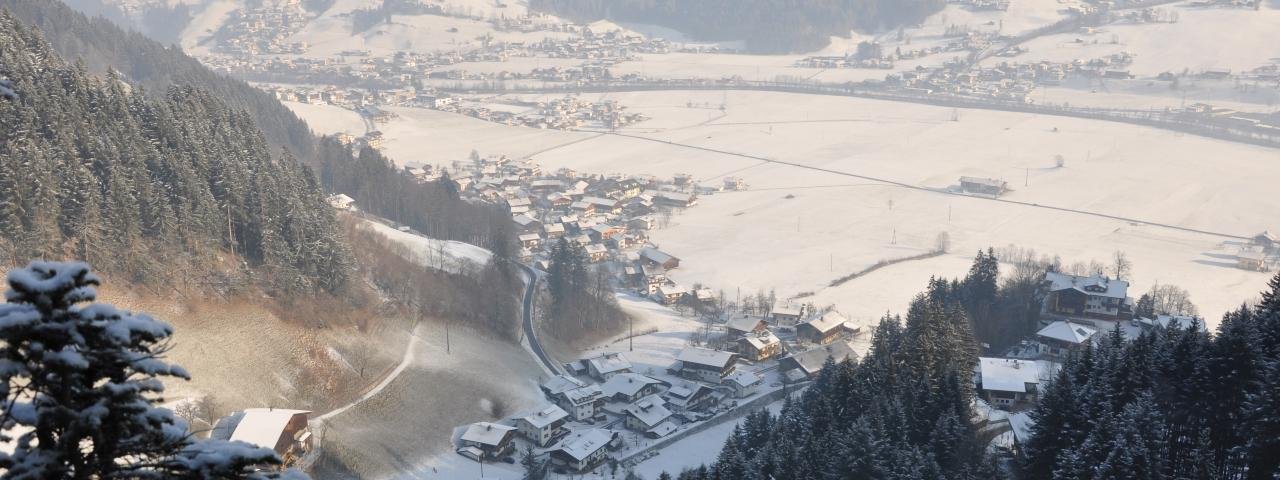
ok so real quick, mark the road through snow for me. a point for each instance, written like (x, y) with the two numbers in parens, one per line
(404, 363)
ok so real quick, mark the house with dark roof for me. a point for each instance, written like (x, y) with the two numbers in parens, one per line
(823, 329)
(704, 364)
(1094, 296)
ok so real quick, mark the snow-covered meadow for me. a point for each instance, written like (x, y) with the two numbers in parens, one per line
(797, 229)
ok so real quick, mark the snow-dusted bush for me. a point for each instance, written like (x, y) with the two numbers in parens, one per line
(80, 385)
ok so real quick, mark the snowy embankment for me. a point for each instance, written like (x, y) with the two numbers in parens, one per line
(447, 255)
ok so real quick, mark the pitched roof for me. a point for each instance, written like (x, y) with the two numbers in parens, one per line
(811, 360)
(582, 443)
(656, 256)
(1094, 285)
(609, 363)
(1021, 423)
(650, 410)
(263, 426)
(579, 396)
(1012, 375)
(562, 383)
(743, 324)
(545, 416)
(705, 356)
(786, 310)
(744, 378)
(486, 433)
(1068, 332)
(761, 340)
(627, 384)
(828, 321)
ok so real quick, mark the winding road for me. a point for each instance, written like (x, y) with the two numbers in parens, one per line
(530, 291)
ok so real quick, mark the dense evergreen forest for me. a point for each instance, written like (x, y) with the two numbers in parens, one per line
(1172, 404)
(767, 26)
(93, 168)
(376, 184)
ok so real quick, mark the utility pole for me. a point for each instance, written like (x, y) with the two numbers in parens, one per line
(948, 213)
(631, 328)
(1027, 181)
(447, 349)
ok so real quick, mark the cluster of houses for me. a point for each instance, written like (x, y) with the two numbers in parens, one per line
(609, 217)
(250, 52)
(601, 401)
(263, 29)
(567, 113)
(1077, 311)
(1009, 81)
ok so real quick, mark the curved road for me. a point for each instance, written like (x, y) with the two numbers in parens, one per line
(530, 290)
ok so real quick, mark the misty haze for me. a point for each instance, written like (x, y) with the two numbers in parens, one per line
(640, 239)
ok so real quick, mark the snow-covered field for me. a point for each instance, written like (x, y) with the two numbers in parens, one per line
(329, 119)
(796, 229)
(447, 255)
(1203, 38)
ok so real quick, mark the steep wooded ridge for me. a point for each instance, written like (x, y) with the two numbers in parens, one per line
(372, 180)
(767, 26)
(150, 187)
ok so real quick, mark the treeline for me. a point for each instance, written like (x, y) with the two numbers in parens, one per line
(582, 302)
(377, 185)
(151, 187)
(484, 298)
(767, 26)
(1177, 404)
(903, 412)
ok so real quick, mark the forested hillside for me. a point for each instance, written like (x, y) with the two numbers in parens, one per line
(92, 168)
(375, 183)
(767, 26)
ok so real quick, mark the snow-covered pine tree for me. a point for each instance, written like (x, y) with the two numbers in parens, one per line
(80, 384)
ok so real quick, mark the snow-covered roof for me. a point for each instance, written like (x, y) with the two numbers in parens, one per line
(562, 383)
(743, 324)
(528, 237)
(705, 356)
(579, 396)
(545, 416)
(1012, 375)
(1021, 423)
(649, 410)
(761, 340)
(486, 433)
(662, 429)
(582, 443)
(1178, 321)
(627, 384)
(743, 378)
(609, 363)
(523, 220)
(991, 182)
(263, 426)
(656, 256)
(1094, 285)
(828, 321)
(786, 310)
(1068, 332)
(811, 360)
(596, 248)
(673, 289)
